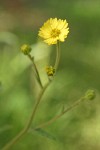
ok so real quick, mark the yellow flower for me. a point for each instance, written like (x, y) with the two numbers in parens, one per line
(54, 30)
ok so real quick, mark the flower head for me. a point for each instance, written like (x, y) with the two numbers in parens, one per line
(54, 30)
(26, 49)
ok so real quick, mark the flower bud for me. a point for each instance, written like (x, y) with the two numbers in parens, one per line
(50, 71)
(26, 49)
(90, 95)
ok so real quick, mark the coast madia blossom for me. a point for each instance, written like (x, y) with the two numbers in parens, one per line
(54, 30)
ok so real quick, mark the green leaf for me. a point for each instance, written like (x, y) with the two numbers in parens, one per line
(63, 108)
(45, 134)
(5, 128)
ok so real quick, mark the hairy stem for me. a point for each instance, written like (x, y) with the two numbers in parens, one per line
(36, 70)
(60, 115)
(57, 56)
(26, 128)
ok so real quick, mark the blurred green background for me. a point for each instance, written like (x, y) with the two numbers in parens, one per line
(78, 71)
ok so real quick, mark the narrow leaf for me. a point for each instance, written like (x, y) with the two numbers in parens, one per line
(45, 134)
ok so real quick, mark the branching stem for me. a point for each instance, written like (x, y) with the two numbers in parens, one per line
(60, 115)
(26, 128)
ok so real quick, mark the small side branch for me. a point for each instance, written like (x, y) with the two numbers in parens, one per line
(60, 115)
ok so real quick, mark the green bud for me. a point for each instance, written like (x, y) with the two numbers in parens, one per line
(26, 49)
(50, 70)
(90, 95)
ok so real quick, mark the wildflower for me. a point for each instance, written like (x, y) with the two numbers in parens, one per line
(54, 30)
(26, 49)
(50, 71)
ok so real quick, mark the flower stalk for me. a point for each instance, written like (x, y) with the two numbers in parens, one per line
(60, 115)
(89, 95)
(26, 128)
(57, 56)
(36, 70)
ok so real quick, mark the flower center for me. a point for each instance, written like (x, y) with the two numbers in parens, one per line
(55, 33)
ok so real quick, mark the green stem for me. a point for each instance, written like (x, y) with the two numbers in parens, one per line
(60, 115)
(36, 70)
(24, 131)
(57, 56)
